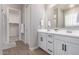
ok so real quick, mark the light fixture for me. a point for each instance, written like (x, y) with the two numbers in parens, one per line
(71, 6)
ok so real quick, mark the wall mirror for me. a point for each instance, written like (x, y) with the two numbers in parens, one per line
(64, 15)
(55, 14)
(71, 15)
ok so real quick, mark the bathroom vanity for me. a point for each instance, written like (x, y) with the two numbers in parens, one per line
(61, 42)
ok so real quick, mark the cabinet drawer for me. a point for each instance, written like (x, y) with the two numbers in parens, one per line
(49, 37)
(49, 42)
(67, 38)
(50, 48)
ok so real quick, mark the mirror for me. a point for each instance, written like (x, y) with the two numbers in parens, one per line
(55, 14)
(63, 15)
(51, 16)
(71, 16)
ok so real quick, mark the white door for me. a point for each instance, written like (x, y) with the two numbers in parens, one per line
(27, 25)
(42, 41)
(72, 49)
(59, 47)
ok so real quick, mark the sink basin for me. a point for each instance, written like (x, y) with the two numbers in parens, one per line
(69, 31)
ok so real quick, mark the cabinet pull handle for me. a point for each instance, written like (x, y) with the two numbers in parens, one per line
(62, 46)
(41, 39)
(65, 48)
(49, 35)
(49, 50)
(49, 42)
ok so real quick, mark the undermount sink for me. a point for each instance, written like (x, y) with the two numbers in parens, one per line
(69, 31)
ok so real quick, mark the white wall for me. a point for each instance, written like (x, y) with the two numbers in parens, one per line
(37, 12)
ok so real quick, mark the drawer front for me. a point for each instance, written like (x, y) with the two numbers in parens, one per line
(49, 37)
(67, 38)
(50, 48)
(60, 37)
(49, 42)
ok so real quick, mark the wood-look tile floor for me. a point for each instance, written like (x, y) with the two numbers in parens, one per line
(22, 49)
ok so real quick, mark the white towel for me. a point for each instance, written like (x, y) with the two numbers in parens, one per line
(22, 28)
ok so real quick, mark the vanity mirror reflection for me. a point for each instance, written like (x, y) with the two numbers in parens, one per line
(55, 15)
(71, 15)
(63, 15)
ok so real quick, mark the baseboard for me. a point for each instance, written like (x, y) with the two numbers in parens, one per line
(33, 48)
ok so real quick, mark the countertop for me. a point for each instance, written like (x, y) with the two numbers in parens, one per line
(72, 33)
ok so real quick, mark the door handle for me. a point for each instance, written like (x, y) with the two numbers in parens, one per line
(49, 42)
(63, 47)
(41, 39)
(50, 35)
(50, 50)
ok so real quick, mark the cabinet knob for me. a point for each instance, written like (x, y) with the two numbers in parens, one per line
(50, 35)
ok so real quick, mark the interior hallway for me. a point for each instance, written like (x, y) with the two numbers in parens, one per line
(22, 49)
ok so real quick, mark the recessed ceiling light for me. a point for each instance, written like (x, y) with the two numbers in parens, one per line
(71, 6)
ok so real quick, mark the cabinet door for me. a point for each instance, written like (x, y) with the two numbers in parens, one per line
(72, 49)
(59, 47)
(42, 41)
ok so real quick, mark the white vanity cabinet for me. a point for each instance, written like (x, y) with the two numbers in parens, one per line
(42, 40)
(58, 44)
(64, 45)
